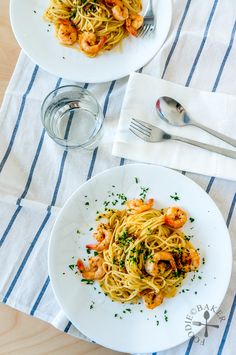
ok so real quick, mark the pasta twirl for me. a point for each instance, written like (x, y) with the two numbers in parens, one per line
(141, 253)
(95, 25)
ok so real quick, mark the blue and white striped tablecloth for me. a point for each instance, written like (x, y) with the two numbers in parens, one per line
(37, 176)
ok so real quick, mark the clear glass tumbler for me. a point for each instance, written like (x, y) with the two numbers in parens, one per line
(72, 117)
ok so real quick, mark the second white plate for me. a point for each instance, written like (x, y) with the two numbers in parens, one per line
(109, 323)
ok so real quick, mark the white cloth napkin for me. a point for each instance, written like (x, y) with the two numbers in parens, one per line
(37, 176)
(214, 110)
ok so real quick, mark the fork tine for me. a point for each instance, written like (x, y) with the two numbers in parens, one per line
(145, 138)
(146, 30)
(142, 29)
(141, 125)
(136, 128)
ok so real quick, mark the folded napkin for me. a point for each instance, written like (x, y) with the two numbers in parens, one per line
(214, 110)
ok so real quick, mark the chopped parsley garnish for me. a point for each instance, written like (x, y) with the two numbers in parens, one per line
(122, 197)
(78, 231)
(191, 219)
(143, 193)
(86, 203)
(90, 229)
(72, 266)
(165, 315)
(203, 261)
(175, 196)
(88, 282)
(157, 322)
(136, 180)
(88, 251)
(95, 253)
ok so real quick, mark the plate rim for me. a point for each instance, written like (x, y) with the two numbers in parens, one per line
(71, 77)
(171, 171)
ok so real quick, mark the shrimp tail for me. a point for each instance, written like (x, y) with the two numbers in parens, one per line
(80, 265)
(92, 246)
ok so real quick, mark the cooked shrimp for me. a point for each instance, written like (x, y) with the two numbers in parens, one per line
(191, 260)
(67, 33)
(119, 11)
(175, 217)
(104, 237)
(138, 206)
(133, 23)
(95, 271)
(88, 43)
(152, 299)
(152, 264)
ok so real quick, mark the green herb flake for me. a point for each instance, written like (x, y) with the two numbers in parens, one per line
(72, 266)
(157, 322)
(95, 253)
(143, 193)
(191, 219)
(88, 282)
(87, 203)
(90, 229)
(175, 196)
(88, 251)
(136, 180)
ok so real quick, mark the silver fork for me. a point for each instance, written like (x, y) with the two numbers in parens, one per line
(152, 134)
(148, 22)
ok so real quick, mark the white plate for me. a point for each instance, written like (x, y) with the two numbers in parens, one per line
(137, 332)
(31, 31)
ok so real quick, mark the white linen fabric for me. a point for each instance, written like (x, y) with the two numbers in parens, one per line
(37, 176)
(210, 109)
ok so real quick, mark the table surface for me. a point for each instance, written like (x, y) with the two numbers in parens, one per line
(19, 333)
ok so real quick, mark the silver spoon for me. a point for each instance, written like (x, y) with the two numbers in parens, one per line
(174, 113)
(206, 315)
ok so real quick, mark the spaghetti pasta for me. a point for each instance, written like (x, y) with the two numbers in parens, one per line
(140, 255)
(94, 25)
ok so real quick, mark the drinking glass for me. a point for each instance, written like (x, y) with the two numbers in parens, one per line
(72, 117)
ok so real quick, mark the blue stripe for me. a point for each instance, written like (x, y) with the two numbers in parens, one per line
(176, 37)
(29, 180)
(231, 211)
(55, 193)
(222, 343)
(202, 43)
(70, 119)
(190, 344)
(10, 225)
(225, 58)
(68, 327)
(29, 251)
(210, 184)
(40, 296)
(108, 97)
(122, 161)
(92, 163)
(22, 106)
